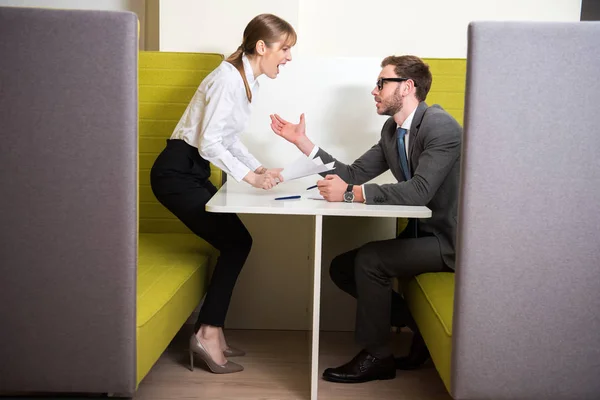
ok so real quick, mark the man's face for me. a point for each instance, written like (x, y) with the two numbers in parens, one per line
(388, 99)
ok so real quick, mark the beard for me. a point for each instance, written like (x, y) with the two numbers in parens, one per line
(393, 105)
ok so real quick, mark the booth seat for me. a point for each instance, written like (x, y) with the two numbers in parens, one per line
(173, 264)
(430, 296)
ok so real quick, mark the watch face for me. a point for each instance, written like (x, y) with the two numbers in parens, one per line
(349, 197)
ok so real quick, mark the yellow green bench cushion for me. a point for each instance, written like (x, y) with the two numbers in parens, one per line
(171, 280)
(430, 298)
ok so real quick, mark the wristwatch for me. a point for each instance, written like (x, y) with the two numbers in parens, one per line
(349, 194)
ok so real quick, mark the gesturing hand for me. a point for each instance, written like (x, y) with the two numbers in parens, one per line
(293, 133)
(332, 188)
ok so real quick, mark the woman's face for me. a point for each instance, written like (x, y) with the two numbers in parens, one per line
(279, 53)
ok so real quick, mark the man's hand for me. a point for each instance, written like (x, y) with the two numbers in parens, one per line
(293, 133)
(332, 188)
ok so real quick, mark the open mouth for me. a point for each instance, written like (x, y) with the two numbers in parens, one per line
(280, 65)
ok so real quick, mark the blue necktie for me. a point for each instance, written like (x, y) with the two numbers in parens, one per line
(402, 152)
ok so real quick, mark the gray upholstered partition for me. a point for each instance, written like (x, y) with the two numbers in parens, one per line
(527, 305)
(68, 179)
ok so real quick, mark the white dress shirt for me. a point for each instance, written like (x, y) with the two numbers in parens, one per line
(217, 115)
(406, 125)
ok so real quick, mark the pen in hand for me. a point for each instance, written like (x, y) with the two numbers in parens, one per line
(312, 187)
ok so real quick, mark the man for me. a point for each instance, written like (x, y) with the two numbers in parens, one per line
(421, 146)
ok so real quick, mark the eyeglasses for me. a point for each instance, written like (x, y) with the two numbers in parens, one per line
(381, 81)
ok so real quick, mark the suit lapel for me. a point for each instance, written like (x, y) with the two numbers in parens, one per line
(414, 130)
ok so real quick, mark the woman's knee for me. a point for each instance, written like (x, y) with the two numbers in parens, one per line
(239, 241)
(246, 241)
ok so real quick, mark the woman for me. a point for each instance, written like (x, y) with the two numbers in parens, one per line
(209, 132)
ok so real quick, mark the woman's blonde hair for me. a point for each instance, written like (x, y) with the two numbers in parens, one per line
(266, 27)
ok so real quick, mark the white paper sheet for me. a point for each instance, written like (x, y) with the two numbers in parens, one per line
(303, 166)
(315, 196)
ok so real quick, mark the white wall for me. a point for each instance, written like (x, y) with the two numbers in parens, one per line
(336, 61)
(342, 28)
(428, 28)
(136, 6)
(214, 25)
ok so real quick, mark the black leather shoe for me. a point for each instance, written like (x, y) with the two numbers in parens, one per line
(363, 368)
(417, 356)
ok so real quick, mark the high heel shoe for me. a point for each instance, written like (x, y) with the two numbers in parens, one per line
(197, 348)
(233, 352)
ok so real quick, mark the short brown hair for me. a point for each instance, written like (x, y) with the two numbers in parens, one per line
(414, 68)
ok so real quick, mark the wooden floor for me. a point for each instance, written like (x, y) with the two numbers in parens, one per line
(277, 367)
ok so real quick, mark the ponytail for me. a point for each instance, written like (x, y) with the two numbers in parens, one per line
(236, 60)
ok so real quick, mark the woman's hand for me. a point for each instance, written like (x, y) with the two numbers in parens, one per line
(293, 133)
(275, 172)
(260, 181)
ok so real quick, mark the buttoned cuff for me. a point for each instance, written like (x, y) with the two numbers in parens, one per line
(240, 173)
(253, 164)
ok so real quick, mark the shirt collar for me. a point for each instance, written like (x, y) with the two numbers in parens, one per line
(408, 121)
(248, 71)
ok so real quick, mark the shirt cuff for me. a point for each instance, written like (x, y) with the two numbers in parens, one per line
(240, 173)
(253, 164)
(314, 152)
(364, 195)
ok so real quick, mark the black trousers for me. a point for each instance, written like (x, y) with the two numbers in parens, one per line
(366, 274)
(179, 180)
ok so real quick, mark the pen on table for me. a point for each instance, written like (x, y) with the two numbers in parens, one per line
(287, 197)
(312, 187)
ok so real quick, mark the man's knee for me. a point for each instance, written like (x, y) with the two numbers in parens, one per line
(367, 260)
(341, 269)
(336, 269)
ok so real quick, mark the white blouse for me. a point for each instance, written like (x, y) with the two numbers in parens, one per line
(217, 115)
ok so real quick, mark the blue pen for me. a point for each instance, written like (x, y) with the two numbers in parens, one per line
(312, 187)
(287, 198)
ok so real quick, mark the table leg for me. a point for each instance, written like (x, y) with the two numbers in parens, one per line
(316, 308)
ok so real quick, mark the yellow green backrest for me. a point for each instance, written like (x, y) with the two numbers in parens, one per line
(167, 82)
(447, 90)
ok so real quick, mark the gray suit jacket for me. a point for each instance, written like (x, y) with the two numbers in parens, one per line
(434, 158)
